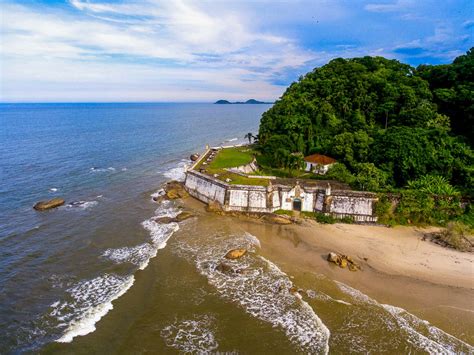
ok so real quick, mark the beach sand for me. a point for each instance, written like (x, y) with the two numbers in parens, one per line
(433, 282)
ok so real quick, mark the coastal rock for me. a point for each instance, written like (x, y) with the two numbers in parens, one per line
(183, 216)
(165, 220)
(333, 257)
(194, 157)
(272, 218)
(46, 205)
(224, 268)
(213, 206)
(179, 218)
(175, 190)
(343, 261)
(235, 253)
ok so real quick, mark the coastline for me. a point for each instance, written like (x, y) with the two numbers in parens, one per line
(432, 282)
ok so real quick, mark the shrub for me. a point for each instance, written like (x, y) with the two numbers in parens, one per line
(322, 218)
(456, 235)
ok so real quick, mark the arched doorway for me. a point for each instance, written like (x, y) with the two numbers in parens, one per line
(296, 204)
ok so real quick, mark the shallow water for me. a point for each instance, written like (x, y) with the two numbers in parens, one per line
(101, 276)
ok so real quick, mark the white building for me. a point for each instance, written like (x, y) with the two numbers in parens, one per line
(318, 163)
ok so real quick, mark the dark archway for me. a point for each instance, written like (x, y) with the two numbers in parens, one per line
(297, 204)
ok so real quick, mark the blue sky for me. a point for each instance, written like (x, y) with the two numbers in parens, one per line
(201, 51)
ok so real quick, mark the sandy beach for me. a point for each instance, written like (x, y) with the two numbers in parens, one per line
(398, 267)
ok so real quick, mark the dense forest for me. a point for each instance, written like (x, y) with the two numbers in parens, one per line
(388, 124)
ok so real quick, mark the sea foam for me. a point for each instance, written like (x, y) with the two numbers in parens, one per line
(89, 301)
(260, 288)
(418, 332)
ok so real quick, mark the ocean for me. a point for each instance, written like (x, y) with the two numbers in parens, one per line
(100, 275)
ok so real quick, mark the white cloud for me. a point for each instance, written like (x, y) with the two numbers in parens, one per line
(147, 49)
(396, 6)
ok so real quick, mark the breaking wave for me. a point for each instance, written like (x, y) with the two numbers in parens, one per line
(418, 332)
(87, 303)
(194, 335)
(260, 288)
(177, 172)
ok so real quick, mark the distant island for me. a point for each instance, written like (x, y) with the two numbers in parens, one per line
(248, 102)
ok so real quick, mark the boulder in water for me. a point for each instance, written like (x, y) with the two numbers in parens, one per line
(46, 205)
(183, 216)
(235, 253)
(165, 220)
(224, 268)
(194, 157)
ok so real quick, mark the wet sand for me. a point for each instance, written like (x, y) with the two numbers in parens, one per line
(430, 281)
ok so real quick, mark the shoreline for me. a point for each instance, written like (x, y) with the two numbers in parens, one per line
(428, 280)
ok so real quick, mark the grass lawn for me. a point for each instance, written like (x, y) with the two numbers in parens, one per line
(232, 157)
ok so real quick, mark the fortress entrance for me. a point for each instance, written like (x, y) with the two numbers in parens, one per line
(296, 204)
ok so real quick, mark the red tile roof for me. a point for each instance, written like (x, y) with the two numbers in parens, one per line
(319, 159)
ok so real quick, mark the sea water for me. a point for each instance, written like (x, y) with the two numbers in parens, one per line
(101, 275)
(60, 270)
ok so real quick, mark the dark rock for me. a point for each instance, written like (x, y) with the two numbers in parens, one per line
(183, 216)
(194, 157)
(224, 268)
(46, 205)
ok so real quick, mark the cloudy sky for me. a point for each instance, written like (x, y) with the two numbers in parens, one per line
(178, 50)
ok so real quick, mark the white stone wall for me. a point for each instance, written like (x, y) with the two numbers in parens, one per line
(286, 201)
(204, 189)
(318, 206)
(238, 198)
(307, 201)
(258, 199)
(276, 200)
(357, 205)
(351, 205)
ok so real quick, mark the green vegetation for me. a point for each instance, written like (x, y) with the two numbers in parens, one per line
(232, 157)
(385, 122)
(456, 235)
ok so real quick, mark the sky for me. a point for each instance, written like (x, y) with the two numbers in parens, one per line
(202, 51)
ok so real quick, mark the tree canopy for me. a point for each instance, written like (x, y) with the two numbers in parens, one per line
(406, 122)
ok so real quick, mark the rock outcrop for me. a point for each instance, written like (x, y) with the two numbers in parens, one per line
(343, 261)
(235, 253)
(179, 218)
(214, 206)
(194, 157)
(175, 190)
(46, 205)
(276, 219)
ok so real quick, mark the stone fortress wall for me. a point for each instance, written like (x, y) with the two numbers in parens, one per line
(247, 198)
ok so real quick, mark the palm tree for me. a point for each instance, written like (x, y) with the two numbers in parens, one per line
(249, 136)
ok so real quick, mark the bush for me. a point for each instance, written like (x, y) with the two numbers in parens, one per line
(322, 218)
(456, 235)
(340, 173)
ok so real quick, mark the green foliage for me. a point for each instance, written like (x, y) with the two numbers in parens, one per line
(369, 177)
(380, 111)
(423, 208)
(340, 173)
(457, 235)
(433, 184)
(453, 91)
(283, 212)
(325, 219)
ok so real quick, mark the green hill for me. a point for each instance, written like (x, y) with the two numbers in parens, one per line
(385, 121)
